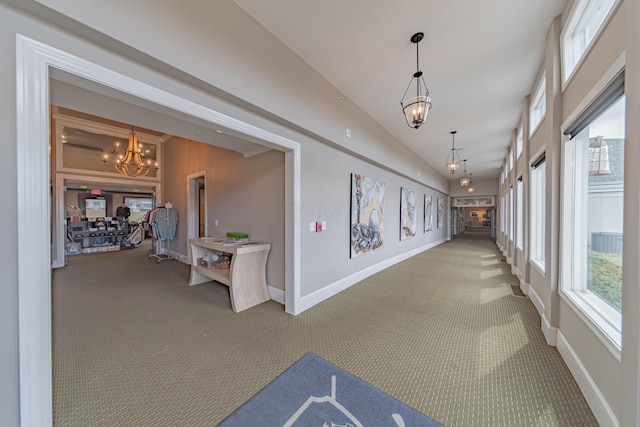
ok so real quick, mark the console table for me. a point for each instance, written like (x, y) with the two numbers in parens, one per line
(245, 277)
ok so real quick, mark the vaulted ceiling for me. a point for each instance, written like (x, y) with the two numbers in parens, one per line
(479, 59)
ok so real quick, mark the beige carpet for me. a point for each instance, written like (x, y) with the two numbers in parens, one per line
(441, 332)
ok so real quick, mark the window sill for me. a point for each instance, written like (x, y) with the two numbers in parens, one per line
(538, 125)
(539, 265)
(602, 319)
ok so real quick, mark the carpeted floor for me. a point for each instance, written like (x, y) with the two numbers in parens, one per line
(441, 332)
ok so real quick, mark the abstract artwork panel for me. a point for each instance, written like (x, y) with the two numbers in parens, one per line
(428, 213)
(440, 212)
(367, 215)
(407, 213)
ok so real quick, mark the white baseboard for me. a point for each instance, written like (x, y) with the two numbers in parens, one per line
(276, 294)
(179, 257)
(516, 272)
(535, 299)
(327, 292)
(524, 286)
(598, 404)
(550, 332)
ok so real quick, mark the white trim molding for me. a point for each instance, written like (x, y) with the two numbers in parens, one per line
(550, 332)
(596, 400)
(278, 295)
(34, 62)
(524, 286)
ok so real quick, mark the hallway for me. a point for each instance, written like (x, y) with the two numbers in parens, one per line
(441, 332)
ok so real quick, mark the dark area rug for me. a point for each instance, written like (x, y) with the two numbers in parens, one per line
(314, 392)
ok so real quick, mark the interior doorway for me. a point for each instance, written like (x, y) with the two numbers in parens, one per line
(197, 205)
(476, 223)
(36, 62)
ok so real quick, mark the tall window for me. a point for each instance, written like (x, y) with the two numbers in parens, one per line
(511, 214)
(593, 204)
(519, 143)
(538, 107)
(537, 234)
(586, 19)
(519, 213)
(503, 216)
(510, 160)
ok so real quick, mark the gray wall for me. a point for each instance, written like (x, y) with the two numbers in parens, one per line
(327, 197)
(220, 51)
(243, 194)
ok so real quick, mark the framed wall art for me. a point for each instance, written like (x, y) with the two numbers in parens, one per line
(428, 213)
(367, 215)
(407, 213)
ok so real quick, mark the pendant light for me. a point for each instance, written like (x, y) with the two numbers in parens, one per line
(416, 108)
(453, 160)
(465, 180)
(470, 188)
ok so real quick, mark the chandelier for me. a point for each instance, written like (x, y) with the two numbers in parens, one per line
(453, 160)
(415, 109)
(465, 180)
(130, 162)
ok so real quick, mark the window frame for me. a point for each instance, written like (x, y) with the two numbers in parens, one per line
(537, 213)
(511, 214)
(598, 315)
(601, 318)
(538, 103)
(520, 214)
(577, 12)
(511, 156)
(519, 142)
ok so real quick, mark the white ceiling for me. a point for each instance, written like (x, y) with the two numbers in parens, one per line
(479, 59)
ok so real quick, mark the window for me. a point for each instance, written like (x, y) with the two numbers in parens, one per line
(510, 160)
(591, 268)
(538, 107)
(537, 232)
(519, 143)
(503, 217)
(511, 217)
(519, 213)
(586, 19)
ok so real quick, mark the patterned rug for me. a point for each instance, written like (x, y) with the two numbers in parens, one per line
(313, 392)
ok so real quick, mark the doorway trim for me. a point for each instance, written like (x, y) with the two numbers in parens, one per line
(34, 61)
(193, 207)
